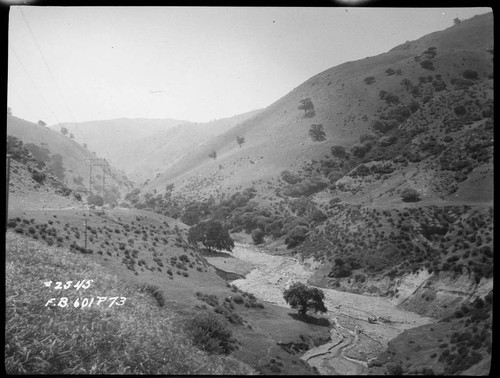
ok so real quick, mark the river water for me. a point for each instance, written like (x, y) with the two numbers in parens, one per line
(354, 341)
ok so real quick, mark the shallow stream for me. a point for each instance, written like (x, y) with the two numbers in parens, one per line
(354, 340)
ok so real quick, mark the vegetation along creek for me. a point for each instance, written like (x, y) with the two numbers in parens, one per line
(354, 339)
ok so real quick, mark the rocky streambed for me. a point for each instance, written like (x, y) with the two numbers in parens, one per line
(361, 325)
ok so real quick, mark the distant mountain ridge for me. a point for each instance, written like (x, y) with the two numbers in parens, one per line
(144, 147)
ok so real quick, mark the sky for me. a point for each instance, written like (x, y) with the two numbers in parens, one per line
(77, 64)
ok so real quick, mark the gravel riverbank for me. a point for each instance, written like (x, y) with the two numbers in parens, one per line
(354, 339)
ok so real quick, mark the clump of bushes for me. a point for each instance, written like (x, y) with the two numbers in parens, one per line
(258, 236)
(296, 236)
(427, 65)
(38, 176)
(410, 195)
(359, 150)
(461, 83)
(340, 269)
(459, 110)
(306, 187)
(316, 133)
(155, 293)
(387, 140)
(470, 74)
(369, 80)
(334, 176)
(290, 178)
(338, 151)
(389, 98)
(210, 332)
(384, 125)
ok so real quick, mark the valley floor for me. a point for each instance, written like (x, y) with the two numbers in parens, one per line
(354, 340)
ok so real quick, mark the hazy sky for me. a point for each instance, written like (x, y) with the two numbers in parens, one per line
(75, 64)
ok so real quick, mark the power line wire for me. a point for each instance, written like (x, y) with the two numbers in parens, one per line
(46, 65)
(33, 82)
(23, 101)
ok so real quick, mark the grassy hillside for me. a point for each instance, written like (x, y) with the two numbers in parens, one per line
(64, 157)
(403, 164)
(383, 181)
(133, 337)
(149, 251)
(375, 96)
(459, 343)
(144, 147)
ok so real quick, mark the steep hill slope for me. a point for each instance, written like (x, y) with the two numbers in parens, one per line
(67, 159)
(142, 252)
(31, 182)
(347, 102)
(143, 148)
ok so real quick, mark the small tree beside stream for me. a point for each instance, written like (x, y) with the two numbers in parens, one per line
(303, 298)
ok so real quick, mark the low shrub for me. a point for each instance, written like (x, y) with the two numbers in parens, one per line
(427, 64)
(470, 74)
(290, 178)
(210, 332)
(38, 176)
(338, 151)
(369, 80)
(410, 195)
(155, 292)
(316, 133)
(296, 236)
(258, 236)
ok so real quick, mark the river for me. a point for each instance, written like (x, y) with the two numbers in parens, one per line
(354, 340)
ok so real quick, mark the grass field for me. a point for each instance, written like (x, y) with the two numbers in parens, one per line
(41, 248)
(137, 337)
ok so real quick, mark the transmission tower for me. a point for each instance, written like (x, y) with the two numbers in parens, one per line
(97, 162)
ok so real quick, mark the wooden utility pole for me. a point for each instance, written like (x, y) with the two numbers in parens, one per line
(85, 235)
(7, 193)
(90, 179)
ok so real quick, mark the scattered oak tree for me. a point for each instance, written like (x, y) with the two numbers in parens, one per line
(303, 298)
(191, 215)
(258, 236)
(213, 154)
(41, 123)
(212, 234)
(64, 130)
(307, 106)
(240, 140)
